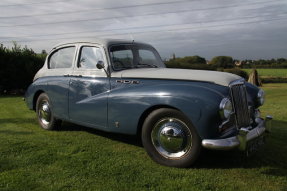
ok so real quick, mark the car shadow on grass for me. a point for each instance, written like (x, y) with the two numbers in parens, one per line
(13, 132)
(128, 139)
(268, 165)
(17, 121)
(273, 155)
(270, 159)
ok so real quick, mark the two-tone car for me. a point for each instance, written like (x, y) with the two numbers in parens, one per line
(124, 87)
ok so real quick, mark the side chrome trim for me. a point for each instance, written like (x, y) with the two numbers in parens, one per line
(239, 141)
(128, 81)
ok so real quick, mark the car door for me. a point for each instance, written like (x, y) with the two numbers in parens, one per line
(89, 88)
(60, 66)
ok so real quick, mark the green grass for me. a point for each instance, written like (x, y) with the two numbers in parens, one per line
(270, 72)
(78, 158)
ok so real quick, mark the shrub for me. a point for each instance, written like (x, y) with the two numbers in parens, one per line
(222, 62)
(18, 67)
(238, 72)
(274, 80)
(190, 62)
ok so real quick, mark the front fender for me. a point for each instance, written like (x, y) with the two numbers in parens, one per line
(197, 100)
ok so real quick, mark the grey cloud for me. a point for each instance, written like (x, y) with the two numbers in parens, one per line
(204, 30)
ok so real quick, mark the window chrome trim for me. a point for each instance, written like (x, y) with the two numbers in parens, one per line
(56, 50)
(131, 44)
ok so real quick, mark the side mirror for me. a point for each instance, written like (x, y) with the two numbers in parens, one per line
(100, 64)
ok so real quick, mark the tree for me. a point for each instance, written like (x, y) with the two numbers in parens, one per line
(44, 52)
(189, 62)
(281, 60)
(222, 62)
(194, 60)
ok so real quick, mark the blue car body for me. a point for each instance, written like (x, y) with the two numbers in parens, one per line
(99, 103)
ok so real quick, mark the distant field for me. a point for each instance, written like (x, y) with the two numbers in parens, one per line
(79, 158)
(270, 72)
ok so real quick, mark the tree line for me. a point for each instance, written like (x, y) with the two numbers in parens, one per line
(18, 67)
(223, 62)
(272, 63)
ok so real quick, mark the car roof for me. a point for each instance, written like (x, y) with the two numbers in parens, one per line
(103, 42)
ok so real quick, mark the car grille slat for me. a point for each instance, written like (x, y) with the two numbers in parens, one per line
(239, 98)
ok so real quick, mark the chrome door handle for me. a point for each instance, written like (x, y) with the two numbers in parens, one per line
(77, 76)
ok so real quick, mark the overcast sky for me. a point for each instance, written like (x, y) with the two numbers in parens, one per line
(249, 29)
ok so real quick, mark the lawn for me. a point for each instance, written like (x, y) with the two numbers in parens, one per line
(273, 72)
(78, 158)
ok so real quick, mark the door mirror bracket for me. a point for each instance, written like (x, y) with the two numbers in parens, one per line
(101, 65)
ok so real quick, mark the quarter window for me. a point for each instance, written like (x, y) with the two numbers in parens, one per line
(62, 58)
(90, 56)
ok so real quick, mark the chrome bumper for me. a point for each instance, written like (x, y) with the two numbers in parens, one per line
(240, 141)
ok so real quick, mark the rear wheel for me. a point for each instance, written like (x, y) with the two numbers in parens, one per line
(170, 138)
(45, 116)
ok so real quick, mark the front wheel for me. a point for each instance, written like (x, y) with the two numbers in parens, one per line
(45, 116)
(170, 138)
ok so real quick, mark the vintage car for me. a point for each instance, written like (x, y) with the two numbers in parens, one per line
(124, 87)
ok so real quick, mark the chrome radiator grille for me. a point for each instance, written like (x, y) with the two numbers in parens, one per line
(239, 99)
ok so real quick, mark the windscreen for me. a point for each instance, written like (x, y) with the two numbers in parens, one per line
(130, 56)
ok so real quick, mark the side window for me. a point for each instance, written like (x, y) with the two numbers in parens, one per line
(62, 58)
(89, 57)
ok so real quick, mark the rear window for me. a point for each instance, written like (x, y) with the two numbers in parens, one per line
(62, 58)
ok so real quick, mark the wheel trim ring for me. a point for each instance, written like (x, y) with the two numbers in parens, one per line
(44, 113)
(160, 146)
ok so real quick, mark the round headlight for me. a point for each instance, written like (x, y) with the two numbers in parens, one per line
(261, 97)
(225, 108)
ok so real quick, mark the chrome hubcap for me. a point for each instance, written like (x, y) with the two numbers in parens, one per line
(171, 137)
(44, 112)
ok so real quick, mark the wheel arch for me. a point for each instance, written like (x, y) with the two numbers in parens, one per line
(36, 95)
(146, 113)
